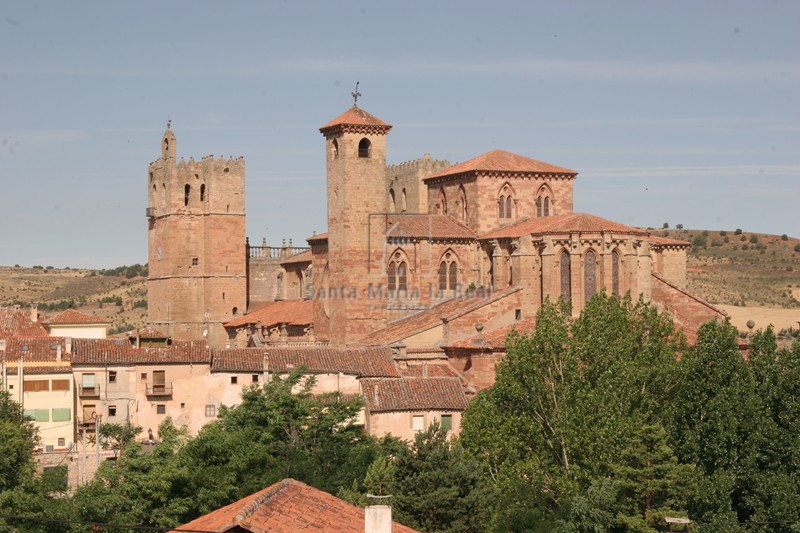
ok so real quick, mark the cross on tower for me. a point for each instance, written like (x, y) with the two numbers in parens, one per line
(355, 94)
(169, 123)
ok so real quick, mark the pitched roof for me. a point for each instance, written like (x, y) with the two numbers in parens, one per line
(427, 227)
(355, 120)
(34, 349)
(429, 370)
(291, 312)
(71, 316)
(495, 339)
(15, 322)
(101, 351)
(500, 161)
(286, 507)
(318, 237)
(303, 257)
(369, 362)
(149, 332)
(424, 320)
(572, 223)
(413, 394)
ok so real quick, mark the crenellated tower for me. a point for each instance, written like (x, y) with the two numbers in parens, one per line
(196, 241)
(349, 302)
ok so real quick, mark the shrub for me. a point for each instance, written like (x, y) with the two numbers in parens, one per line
(797, 247)
(722, 233)
(666, 225)
(745, 247)
(738, 231)
(743, 238)
(753, 239)
(727, 239)
(784, 237)
(679, 226)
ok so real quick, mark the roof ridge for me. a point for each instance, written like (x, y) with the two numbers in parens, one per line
(252, 506)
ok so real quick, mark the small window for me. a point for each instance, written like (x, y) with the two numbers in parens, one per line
(62, 414)
(183, 405)
(364, 147)
(211, 411)
(447, 422)
(255, 378)
(203, 192)
(62, 442)
(235, 311)
(36, 385)
(112, 410)
(112, 376)
(39, 415)
(60, 384)
(161, 409)
(234, 380)
(195, 261)
(335, 148)
(417, 422)
(517, 314)
(187, 190)
(144, 375)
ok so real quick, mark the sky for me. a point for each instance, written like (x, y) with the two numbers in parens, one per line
(672, 112)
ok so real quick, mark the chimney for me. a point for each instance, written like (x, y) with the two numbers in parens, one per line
(265, 366)
(34, 313)
(378, 519)
(68, 345)
(58, 352)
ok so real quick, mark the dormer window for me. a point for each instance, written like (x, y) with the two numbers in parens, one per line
(364, 147)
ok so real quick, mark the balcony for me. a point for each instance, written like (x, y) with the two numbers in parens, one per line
(159, 390)
(89, 392)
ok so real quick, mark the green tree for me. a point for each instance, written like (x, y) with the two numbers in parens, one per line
(18, 438)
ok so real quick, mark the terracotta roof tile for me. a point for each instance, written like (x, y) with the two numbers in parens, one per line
(355, 120)
(427, 227)
(495, 339)
(429, 370)
(34, 349)
(575, 222)
(318, 237)
(287, 507)
(72, 316)
(302, 257)
(117, 351)
(291, 312)
(424, 320)
(413, 394)
(41, 367)
(16, 322)
(369, 362)
(500, 161)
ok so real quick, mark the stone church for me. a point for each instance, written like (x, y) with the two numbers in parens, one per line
(422, 255)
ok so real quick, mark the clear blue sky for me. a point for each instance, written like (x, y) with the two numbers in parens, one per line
(679, 112)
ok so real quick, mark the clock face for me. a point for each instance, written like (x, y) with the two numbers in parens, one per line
(158, 253)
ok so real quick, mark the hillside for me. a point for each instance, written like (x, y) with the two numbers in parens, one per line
(120, 300)
(728, 267)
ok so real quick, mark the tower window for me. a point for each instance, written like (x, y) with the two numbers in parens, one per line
(235, 311)
(615, 272)
(203, 192)
(364, 147)
(392, 206)
(187, 190)
(566, 276)
(195, 261)
(335, 148)
(590, 274)
(448, 272)
(397, 272)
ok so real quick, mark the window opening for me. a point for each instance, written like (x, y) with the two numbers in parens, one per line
(590, 274)
(364, 147)
(203, 192)
(566, 276)
(187, 190)
(447, 422)
(615, 272)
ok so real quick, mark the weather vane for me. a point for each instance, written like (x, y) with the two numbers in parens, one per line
(169, 123)
(355, 94)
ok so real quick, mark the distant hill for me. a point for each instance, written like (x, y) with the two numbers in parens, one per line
(728, 267)
(120, 300)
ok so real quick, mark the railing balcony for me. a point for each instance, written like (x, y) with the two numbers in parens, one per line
(87, 423)
(89, 392)
(159, 390)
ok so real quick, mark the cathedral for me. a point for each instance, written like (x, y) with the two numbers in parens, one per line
(422, 255)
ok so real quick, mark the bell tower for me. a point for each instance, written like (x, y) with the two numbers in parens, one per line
(352, 283)
(196, 244)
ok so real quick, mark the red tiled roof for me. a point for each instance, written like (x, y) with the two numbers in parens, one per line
(291, 312)
(369, 362)
(427, 227)
(500, 161)
(429, 370)
(495, 339)
(667, 242)
(355, 120)
(413, 394)
(15, 322)
(71, 316)
(302, 257)
(575, 222)
(34, 349)
(288, 506)
(101, 351)
(424, 320)
(41, 367)
(318, 237)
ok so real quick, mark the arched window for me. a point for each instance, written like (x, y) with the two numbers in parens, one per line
(203, 192)
(566, 276)
(335, 148)
(615, 272)
(505, 202)
(543, 201)
(155, 189)
(364, 147)
(539, 206)
(397, 273)
(589, 274)
(187, 190)
(442, 202)
(462, 200)
(392, 206)
(448, 272)
(547, 206)
(403, 200)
